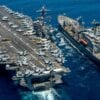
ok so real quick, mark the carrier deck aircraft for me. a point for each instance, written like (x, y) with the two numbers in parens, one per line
(35, 60)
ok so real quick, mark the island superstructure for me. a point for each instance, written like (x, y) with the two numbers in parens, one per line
(86, 40)
(27, 51)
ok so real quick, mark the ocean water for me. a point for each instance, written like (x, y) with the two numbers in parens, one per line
(83, 83)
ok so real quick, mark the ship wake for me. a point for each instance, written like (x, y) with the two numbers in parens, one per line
(46, 95)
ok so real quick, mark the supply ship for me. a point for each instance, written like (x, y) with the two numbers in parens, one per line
(26, 52)
(86, 40)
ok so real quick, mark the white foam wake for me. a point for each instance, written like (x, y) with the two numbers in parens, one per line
(46, 95)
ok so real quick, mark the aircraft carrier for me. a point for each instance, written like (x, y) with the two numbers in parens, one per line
(27, 51)
(86, 40)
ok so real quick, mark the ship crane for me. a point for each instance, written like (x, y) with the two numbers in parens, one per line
(96, 27)
(78, 18)
(81, 22)
(95, 23)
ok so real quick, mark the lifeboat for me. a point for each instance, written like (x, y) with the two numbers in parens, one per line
(83, 42)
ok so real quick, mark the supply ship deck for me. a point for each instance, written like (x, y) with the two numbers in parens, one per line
(85, 40)
(35, 60)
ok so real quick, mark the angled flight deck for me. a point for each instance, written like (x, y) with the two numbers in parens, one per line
(35, 59)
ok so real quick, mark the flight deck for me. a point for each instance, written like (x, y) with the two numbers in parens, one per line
(29, 54)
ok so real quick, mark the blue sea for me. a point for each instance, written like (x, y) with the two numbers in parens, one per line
(83, 82)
